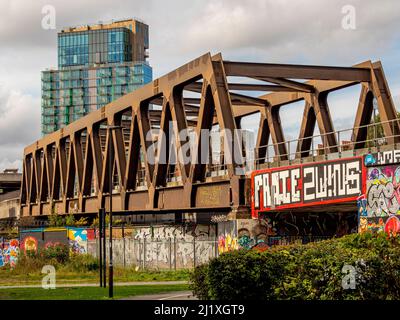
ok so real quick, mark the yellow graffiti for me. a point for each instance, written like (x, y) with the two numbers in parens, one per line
(366, 225)
(227, 243)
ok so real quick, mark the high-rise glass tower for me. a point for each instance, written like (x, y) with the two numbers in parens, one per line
(96, 65)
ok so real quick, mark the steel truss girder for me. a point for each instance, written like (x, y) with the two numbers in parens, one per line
(59, 169)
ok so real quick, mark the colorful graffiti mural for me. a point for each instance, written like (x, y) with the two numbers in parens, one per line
(362, 206)
(383, 191)
(41, 238)
(77, 240)
(227, 242)
(382, 158)
(392, 226)
(371, 224)
(253, 232)
(9, 253)
(29, 243)
(243, 234)
(379, 210)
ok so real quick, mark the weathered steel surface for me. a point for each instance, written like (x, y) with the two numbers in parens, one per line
(67, 171)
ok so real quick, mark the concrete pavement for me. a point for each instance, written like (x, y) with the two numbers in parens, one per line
(177, 295)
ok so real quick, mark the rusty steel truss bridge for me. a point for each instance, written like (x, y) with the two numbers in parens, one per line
(67, 171)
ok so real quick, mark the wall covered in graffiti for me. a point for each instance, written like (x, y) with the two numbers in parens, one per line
(179, 231)
(75, 238)
(254, 233)
(9, 251)
(379, 209)
(312, 224)
(243, 234)
(383, 192)
(227, 236)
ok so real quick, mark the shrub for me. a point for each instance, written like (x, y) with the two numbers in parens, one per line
(95, 222)
(198, 276)
(70, 220)
(56, 252)
(55, 220)
(81, 222)
(305, 272)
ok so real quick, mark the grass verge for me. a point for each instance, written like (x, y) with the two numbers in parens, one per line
(86, 293)
(75, 268)
(10, 277)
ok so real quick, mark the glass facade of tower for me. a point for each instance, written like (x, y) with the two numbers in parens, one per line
(69, 94)
(95, 68)
(97, 46)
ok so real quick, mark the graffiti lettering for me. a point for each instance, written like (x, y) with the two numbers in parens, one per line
(331, 180)
(382, 158)
(304, 185)
(383, 199)
(383, 196)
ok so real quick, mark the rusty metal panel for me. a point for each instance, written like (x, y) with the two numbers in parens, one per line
(209, 196)
(91, 205)
(137, 200)
(169, 197)
(116, 202)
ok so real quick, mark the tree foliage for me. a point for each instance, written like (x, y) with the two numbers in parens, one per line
(305, 272)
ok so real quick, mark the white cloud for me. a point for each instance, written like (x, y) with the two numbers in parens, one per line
(19, 125)
(311, 30)
(307, 31)
(6, 164)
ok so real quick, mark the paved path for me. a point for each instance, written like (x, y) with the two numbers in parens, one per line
(177, 295)
(66, 285)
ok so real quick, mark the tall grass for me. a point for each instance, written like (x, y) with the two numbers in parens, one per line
(59, 256)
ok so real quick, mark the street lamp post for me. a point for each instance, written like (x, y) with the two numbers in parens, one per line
(110, 183)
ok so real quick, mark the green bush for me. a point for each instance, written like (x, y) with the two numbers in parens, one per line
(304, 272)
(199, 277)
(33, 261)
(58, 253)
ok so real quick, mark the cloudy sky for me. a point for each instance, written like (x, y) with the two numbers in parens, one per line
(296, 31)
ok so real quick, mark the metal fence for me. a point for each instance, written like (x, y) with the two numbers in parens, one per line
(169, 254)
(173, 253)
(345, 144)
(285, 240)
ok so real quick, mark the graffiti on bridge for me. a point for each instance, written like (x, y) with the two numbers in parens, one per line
(307, 185)
(29, 243)
(382, 158)
(383, 193)
(382, 201)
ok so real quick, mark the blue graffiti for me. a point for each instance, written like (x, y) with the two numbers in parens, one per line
(362, 207)
(369, 160)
